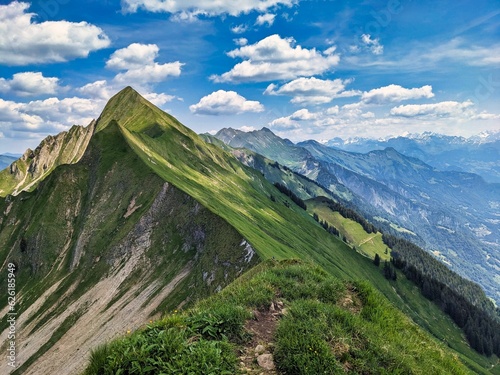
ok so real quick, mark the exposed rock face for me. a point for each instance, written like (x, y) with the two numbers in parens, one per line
(35, 165)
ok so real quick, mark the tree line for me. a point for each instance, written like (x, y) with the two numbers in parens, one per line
(351, 214)
(463, 300)
(299, 202)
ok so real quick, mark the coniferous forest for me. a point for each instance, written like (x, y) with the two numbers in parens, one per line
(463, 300)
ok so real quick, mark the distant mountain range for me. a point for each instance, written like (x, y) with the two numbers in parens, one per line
(7, 159)
(479, 154)
(456, 215)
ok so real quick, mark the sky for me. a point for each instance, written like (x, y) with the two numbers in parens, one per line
(306, 69)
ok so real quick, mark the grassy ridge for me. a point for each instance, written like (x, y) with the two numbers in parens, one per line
(278, 229)
(328, 326)
(241, 197)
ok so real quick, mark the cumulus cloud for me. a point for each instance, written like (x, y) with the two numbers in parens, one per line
(292, 121)
(265, 19)
(103, 90)
(372, 44)
(284, 123)
(150, 73)
(160, 99)
(441, 109)
(313, 90)
(205, 7)
(239, 29)
(241, 41)
(395, 93)
(98, 90)
(225, 103)
(275, 58)
(24, 42)
(247, 129)
(29, 84)
(138, 61)
(332, 116)
(43, 117)
(133, 57)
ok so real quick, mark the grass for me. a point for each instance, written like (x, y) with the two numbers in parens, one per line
(367, 244)
(319, 332)
(138, 147)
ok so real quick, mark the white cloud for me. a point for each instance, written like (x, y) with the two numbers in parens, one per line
(395, 93)
(247, 129)
(313, 90)
(150, 73)
(98, 90)
(441, 109)
(205, 7)
(68, 111)
(43, 117)
(265, 19)
(159, 99)
(239, 29)
(24, 42)
(460, 50)
(29, 84)
(102, 90)
(241, 41)
(138, 61)
(134, 56)
(292, 121)
(303, 115)
(373, 44)
(275, 58)
(284, 123)
(486, 116)
(225, 103)
(39, 118)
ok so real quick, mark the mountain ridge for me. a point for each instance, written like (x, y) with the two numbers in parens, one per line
(402, 190)
(162, 215)
(479, 154)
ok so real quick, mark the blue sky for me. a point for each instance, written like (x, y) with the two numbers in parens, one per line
(305, 69)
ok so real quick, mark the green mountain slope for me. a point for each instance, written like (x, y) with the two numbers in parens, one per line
(152, 218)
(305, 321)
(367, 244)
(278, 229)
(103, 245)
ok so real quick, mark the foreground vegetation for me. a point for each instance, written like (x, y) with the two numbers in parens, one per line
(326, 326)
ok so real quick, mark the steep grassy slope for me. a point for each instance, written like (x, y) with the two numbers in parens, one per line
(450, 212)
(274, 228)
(303, 187)
(100, 247)
(315, 324)
(33, 166)
(118, 226)
(368, 244)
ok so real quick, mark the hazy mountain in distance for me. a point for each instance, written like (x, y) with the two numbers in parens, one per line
(455, 213)
(479, 154)
(6, 160)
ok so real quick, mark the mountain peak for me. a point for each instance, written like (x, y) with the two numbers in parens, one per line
(136, 114)
(122, 106)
